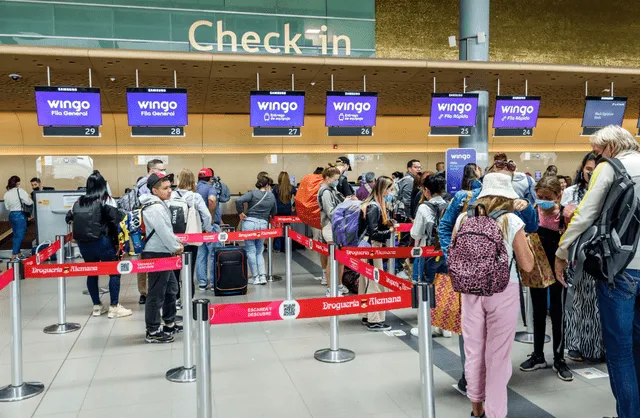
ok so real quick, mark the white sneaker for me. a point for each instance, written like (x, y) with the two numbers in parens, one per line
(99, 310)
(414, 332)
(118, 312)
(263, 279)
(328, 293)
(343, 290)
(255, 280)
(403, 275)
(324, 279)
(447, 334)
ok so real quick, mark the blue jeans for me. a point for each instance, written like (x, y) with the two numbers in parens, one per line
(204, 270)
(255, 248)
(98, 251)
(620, 315)
(19, 226)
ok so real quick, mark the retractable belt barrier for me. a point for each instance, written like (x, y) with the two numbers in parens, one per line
(230, 236)
(104, 268)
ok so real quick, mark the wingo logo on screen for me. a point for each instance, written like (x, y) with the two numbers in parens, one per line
(68, 108)
(516, 113)
(453, 111)
(351, 110)
(157, 109)
(271, 111)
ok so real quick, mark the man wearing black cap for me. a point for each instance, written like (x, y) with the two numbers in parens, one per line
(344, 187)
(161, 243)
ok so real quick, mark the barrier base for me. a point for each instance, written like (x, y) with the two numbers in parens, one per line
(274, 278)
(181, 375)
(17, 393)
(61, 328)
(526, 338)
(340, 355)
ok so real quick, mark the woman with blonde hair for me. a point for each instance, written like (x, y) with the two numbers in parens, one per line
(186, 190)
(376, 227)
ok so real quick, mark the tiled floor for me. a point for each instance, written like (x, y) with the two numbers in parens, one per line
(258, 370)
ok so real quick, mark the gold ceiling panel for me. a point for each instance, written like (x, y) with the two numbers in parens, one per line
(220, 83)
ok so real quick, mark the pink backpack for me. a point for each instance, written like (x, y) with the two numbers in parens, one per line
(478, 260)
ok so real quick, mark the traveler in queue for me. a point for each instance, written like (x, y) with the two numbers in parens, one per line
(95, 229)
(440, 167)
(551, 225)
(619, 303)
(284, 192)
(583, 329)
(209, 194)
(131, 201)
(186, 190)
(14, 201)
(328, 199)
(376, 226)
(161, 243)
(489, 322)
(344, 187)
(261, 206)
(366, 188)
(461, 202)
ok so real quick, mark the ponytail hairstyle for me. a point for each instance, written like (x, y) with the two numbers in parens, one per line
(330, 171)
(382, 186)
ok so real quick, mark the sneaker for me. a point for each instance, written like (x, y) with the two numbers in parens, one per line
(447, 334)
(378, 326)
(158, 338)
(328, 293)
(343, 289)
(575, 355)
(324, 279)
(364, 321)
(172, 329)
(564, 373)
(414, 332)
(202, 287)
(255, 281)
(403, 275)
(263, 279)
(99, 310)
(143, 299)
(462, 384)
(118, 312)
(534, 362)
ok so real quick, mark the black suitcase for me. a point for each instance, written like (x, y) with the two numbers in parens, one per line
(229, 271)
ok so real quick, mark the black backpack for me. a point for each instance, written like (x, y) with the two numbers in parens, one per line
(439, 210)
(608, 246)
(87, 222)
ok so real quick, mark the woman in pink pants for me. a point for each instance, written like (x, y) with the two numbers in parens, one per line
(489, 322)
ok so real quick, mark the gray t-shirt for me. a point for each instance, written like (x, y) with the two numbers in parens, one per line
(259, 205)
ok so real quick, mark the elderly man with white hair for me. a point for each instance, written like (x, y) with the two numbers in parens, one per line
(619, 297)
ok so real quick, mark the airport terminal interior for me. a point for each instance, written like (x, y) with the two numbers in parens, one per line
(425, 79)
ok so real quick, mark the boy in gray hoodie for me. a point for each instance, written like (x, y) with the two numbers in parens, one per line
(161, 243)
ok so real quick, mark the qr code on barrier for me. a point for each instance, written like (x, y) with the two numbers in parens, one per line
(289, 309)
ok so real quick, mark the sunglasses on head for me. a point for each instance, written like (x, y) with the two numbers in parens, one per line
(501, 165)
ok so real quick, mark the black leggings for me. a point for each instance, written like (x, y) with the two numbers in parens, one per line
(539, 303)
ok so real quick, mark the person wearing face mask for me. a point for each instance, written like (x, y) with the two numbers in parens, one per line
(583, 330)
(328, 199)
(551, 227)
(376, 227)
(618, 296)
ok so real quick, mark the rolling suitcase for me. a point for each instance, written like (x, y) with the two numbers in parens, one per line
(230, 271)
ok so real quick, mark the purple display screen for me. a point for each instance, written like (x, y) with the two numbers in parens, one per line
(68, 106)
(453, 109)
(346, 108)
(270, 109)
(603, 111)
(516, 112)
(157, 107)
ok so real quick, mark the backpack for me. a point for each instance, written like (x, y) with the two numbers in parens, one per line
(87, 224)
(478, 260)
(608, 246)
(132, 232)
(345, 223)
(438, 210)
(224, 195)
(130, 201)
(307, 207)
(185, 219)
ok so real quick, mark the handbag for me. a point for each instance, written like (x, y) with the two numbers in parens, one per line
(26, 209)
(447, 314)
(542, 275)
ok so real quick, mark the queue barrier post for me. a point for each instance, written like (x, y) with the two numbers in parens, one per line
(334, 354)
(526, 337)
(288, 256)
(391, 262)
(203, 363)
(270, 276)
(18, 389)
(62, 327)
(425, 345)
(187, 372)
